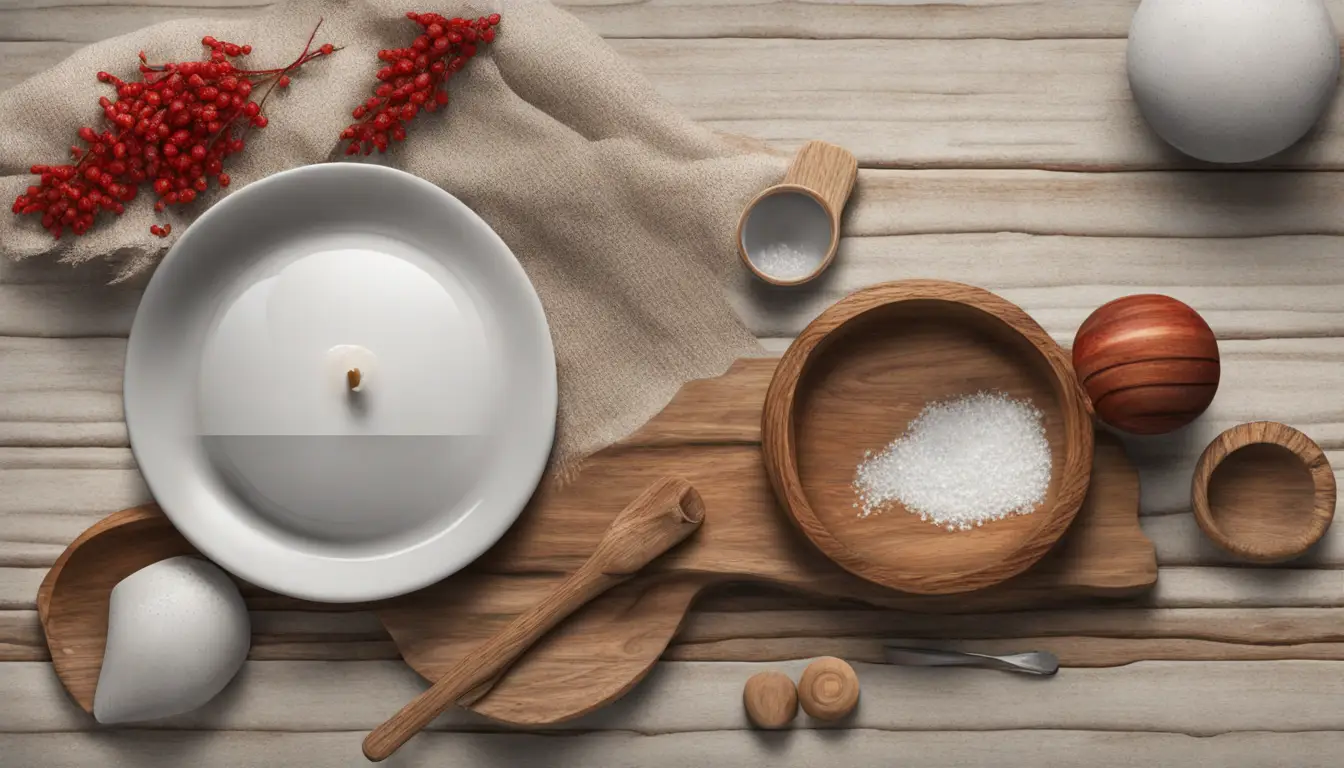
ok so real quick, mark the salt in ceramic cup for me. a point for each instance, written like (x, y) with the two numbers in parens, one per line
(788, 234)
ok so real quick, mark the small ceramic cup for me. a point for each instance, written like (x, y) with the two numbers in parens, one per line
(789, 233)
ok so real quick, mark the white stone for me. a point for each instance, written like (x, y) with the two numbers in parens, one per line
(1232, 81)
(177, 633)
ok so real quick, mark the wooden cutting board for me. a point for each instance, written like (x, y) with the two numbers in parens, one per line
(709, 434)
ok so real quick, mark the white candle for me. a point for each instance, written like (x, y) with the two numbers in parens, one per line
(352, 365)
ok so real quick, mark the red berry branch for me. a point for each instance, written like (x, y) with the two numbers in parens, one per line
(172, 129)
(416, 78)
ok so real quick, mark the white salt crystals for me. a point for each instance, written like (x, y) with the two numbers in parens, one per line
(961, 462)
(783, 261)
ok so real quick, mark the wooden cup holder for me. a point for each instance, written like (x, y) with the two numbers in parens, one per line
(801, 215)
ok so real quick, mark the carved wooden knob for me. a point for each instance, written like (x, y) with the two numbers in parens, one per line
(771, 699)
(829, 689)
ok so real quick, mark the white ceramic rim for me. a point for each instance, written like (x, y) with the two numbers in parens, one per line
(199, 514)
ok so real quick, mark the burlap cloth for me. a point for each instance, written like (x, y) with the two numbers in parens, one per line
(621, 210)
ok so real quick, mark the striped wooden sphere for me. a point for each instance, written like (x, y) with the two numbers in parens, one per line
(1148, 362)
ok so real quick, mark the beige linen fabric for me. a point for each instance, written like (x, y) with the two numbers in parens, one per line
(622, 211)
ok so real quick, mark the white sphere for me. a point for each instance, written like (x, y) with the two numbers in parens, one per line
(1232, 81)
(177, 633)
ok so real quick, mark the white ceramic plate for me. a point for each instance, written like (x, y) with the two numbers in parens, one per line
(236, 398)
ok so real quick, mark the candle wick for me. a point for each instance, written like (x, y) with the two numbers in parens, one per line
(353, 378)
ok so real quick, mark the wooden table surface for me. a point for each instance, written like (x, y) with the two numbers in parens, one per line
(999, 146)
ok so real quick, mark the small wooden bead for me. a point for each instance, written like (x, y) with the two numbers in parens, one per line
(771, 699)
(829, 689)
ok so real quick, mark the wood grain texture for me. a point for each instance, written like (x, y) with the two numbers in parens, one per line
(829, 171)
(1071, 651)
(701, 436)
(1264, 492)
(21, 639)
(681, 19)
(828, 689)
(723, 628)
(911, 104)
(1149, 363)
(1201, 698)
(856, 748)
(635, 623)
(770, 699)
(1256, 252)
(624, 633)
(983, 103)
(658, 519)
(860, 372)
(988, 103)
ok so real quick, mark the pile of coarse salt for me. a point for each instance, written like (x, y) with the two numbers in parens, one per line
(961, 462)
(785, 262)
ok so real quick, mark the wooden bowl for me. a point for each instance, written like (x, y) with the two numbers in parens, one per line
(853, 381)
(1264, 492)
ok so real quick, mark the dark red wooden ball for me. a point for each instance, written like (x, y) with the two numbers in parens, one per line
(1148, 362)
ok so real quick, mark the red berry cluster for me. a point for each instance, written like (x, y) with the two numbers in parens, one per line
(416, 78)
(171, 129)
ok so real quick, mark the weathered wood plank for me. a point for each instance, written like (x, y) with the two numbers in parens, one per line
(89, 23)
(21, 60)
(29, 555)
(21, 637)
(52, 271)
(932, 103)
(48, 507)
(1222, 625)
(1246, 588)
(18, 587)
(66, 458)
(1010, 19)
(1078, 652)
(25, 643)
(1081, 638)
(916, 103)
(1203, 698)
(202, 6)
(1214, 204)
(1291, 380)
(1246, 288)
(47, 365)
(276, 635)
(857, 748)
(70, 491)
(807, 19)
(989, 103)
(775, 619)
(1178, 540)
(66, 310)
(1177, 587)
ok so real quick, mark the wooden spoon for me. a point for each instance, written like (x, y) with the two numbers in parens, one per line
(660, 518)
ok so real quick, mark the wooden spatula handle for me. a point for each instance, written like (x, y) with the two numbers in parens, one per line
(663, 516)
(826, 169)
